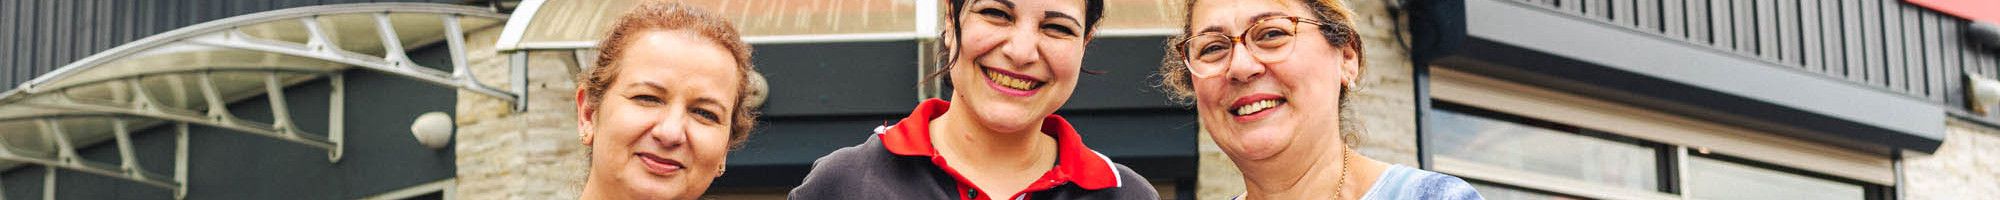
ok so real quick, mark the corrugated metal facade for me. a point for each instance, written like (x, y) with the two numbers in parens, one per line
(1887, 44)
(38, 36)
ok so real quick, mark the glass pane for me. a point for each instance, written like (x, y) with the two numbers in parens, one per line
(1525, 148)
(1497, 192)
(1716, 179)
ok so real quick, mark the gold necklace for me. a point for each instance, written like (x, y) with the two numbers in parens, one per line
(1342, 183)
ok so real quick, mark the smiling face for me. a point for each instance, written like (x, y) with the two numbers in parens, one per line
(1256, 110)
(1017, 61)
(662, 128)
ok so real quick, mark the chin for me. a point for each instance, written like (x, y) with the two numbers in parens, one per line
(642, 185)
(1008, 120)
(1259, 144)
(1007, 115)
(662, 191)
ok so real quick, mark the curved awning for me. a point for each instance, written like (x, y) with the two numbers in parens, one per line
(542, 24)
(188, 76)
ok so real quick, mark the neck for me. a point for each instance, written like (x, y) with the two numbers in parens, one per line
(963, 140)
(591, 191)
(1318, 178)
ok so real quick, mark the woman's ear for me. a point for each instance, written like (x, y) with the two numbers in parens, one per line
(1350, 67)
(723, 168)
(585, 117)
(948, 36)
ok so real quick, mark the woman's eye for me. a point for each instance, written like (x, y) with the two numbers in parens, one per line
(1059, 30)
(647, 100)
(1213, 49)
(1268, 34)
(1272, 38)
(1212, 52)
(995, 14)
(706, 115)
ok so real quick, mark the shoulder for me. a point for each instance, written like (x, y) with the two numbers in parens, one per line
(1133, 186)
(869, 152)
(864, 171)
(1130, 186)
(1433, 185)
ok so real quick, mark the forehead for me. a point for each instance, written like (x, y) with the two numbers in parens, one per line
(1230, 13)
(677, 58)
(1072, 7)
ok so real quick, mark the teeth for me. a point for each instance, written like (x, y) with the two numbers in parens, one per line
(1011, 82)
(1257, 106)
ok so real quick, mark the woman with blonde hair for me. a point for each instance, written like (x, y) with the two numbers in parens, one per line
(1269, 80)
(675, 93)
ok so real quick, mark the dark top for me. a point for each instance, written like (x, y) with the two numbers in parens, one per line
(898, 162)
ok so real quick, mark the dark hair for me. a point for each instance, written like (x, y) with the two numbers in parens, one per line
(666, 16)
(1093, 11)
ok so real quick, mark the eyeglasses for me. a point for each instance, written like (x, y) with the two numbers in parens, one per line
(1269, 39)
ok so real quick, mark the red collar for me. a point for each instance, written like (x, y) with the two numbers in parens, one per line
(1074, 162)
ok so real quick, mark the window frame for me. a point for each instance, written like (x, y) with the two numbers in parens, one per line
(1686, 137)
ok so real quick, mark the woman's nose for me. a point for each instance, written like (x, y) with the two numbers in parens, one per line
(1020, 48)
(670, 132)
(1243, 67)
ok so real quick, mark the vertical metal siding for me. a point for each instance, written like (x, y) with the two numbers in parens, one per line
(9, 15)
(1810, 25)
(1892, 48)
(1882, 43)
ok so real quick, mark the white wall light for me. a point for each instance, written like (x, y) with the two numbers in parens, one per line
(1982, 92)
(432, 129)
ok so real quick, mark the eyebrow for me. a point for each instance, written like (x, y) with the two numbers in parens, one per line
(1253, 21)
(706, 101)
(1262, 16)
(1059, 15)
(655, 86)
(1008, 3)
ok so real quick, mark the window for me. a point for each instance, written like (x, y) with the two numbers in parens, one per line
(1545, 148)
(1469, 137)
(1723, 177)
(1513, 141)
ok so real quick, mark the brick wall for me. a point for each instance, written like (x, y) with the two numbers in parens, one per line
(533, 154)
(1967, 166)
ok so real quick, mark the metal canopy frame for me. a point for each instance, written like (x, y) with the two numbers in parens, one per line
(50, 97)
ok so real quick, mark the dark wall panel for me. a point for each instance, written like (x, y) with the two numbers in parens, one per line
(831, 79)
(1128, 64)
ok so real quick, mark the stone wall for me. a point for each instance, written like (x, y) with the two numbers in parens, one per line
(1967, 166)
(532, 154)
(1385, 105)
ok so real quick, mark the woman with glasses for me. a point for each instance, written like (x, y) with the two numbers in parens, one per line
(1012, 63)
(675, 93)
(1270, 80)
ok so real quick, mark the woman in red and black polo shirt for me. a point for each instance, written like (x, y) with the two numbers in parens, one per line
(1012, 62)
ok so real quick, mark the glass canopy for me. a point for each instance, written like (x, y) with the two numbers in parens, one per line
(188, 76)
(578, 24)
